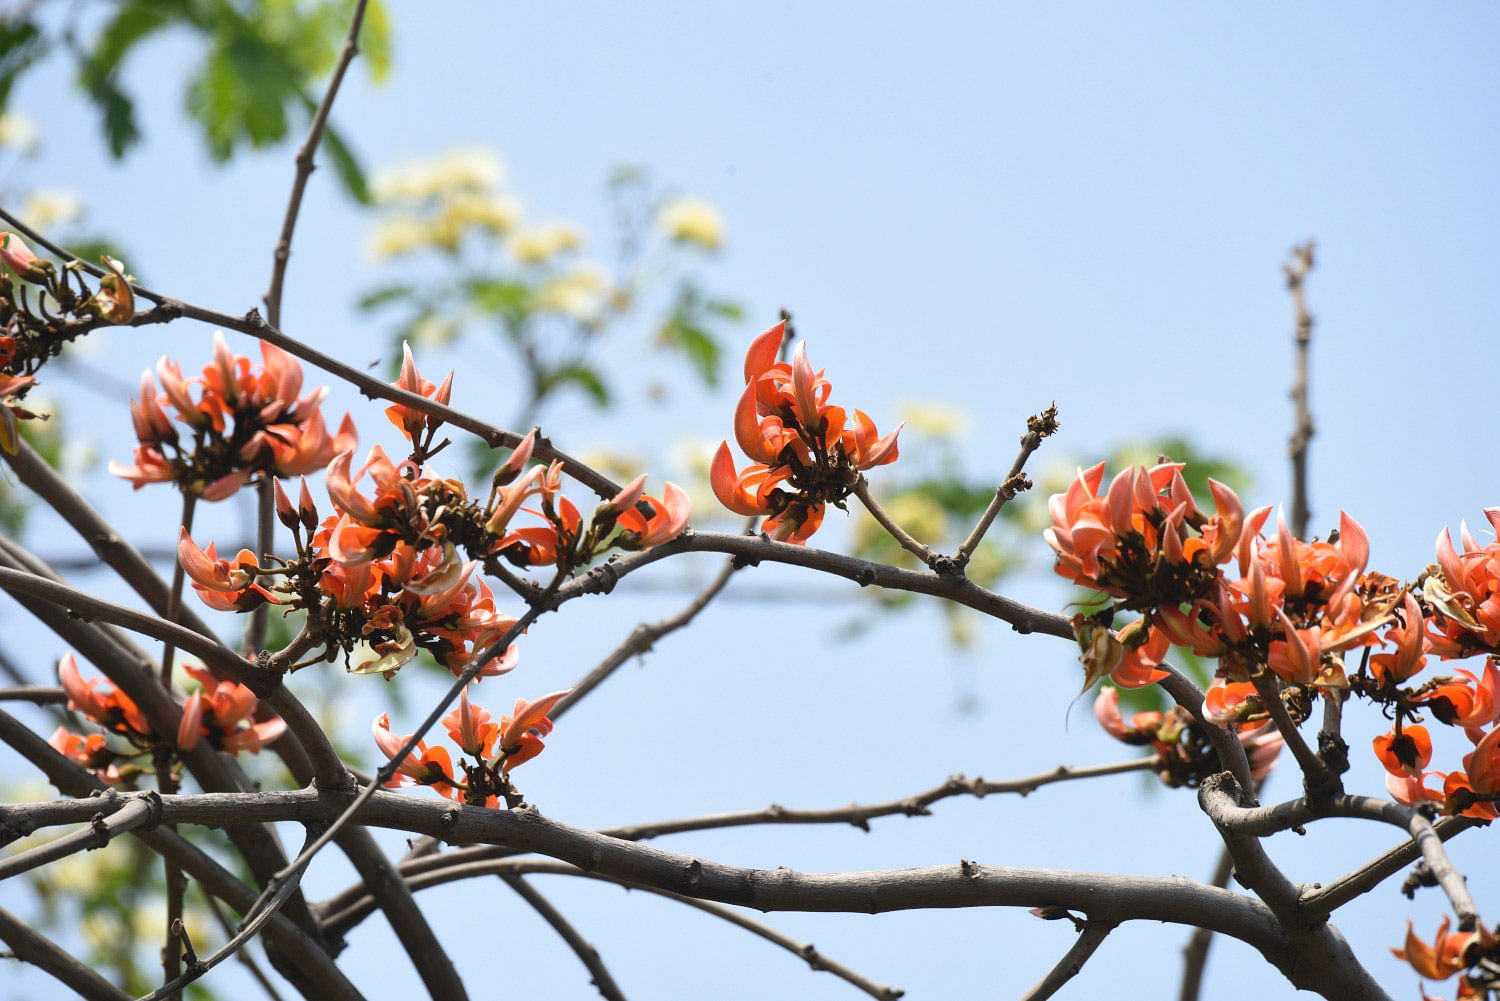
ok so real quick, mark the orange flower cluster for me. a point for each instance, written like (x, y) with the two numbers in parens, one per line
(1145, 542)
(241, 421)
(795, 439)
(392, 571)
(1184, 755)
(492, 750)
(222, 713)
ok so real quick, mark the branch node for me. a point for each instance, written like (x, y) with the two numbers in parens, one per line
(154, 803)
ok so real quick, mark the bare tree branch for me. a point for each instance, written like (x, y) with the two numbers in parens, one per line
(306, 963)
(1090, 936)
(35, 948)
(586, 953)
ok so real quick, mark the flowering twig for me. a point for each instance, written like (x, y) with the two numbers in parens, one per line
(1320, 781)
(1037, 427)
(586, 953)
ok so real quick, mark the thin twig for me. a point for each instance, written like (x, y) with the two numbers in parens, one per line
(860, 815)
(911, 545)
(1338, 892)
(1296, 275)
(42, 695)
(275, 894)
(305, 164)
(1090, 937)
(166, 782)
(245, 956)
(589, 956)
(1037, 427)
(643, 637)
(1195, 953)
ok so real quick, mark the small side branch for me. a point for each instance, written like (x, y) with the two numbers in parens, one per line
(911, 545)
(860, 815)
(586, 953)
(643, 637)
(305, 164)
(1090, 937)
(1038, 427)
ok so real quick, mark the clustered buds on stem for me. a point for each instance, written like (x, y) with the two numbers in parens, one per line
(47, 310)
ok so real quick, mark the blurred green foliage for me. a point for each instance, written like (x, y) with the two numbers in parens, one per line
(257, 74)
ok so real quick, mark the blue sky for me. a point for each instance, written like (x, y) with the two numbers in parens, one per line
(993, 206)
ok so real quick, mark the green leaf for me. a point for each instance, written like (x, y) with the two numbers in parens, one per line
(385, 294)
(696, 345)
(509, 300)
(375, 40)
(132, 24)
(21, 44)
(120, 130)
(346, 165)
(579, 375)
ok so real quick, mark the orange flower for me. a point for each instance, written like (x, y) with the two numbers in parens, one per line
(521, 733)
(1447, 953)
(424, 766)
(1404, 753)
(102, 702)
(668, 518)
(245, 421)
(1409, 638)
(217, 712)
(1464, 596)
(221, 584)
(471, 727)
(414, 422)
(19, 258)
(1226, 702)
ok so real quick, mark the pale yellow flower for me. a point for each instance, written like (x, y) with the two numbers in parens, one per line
(46, 208)
(397, 235)
(936, 419)
(692, 220)
(459, 170)
(582, 293)
(497, 213)
(537, 243)
(18, 132)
